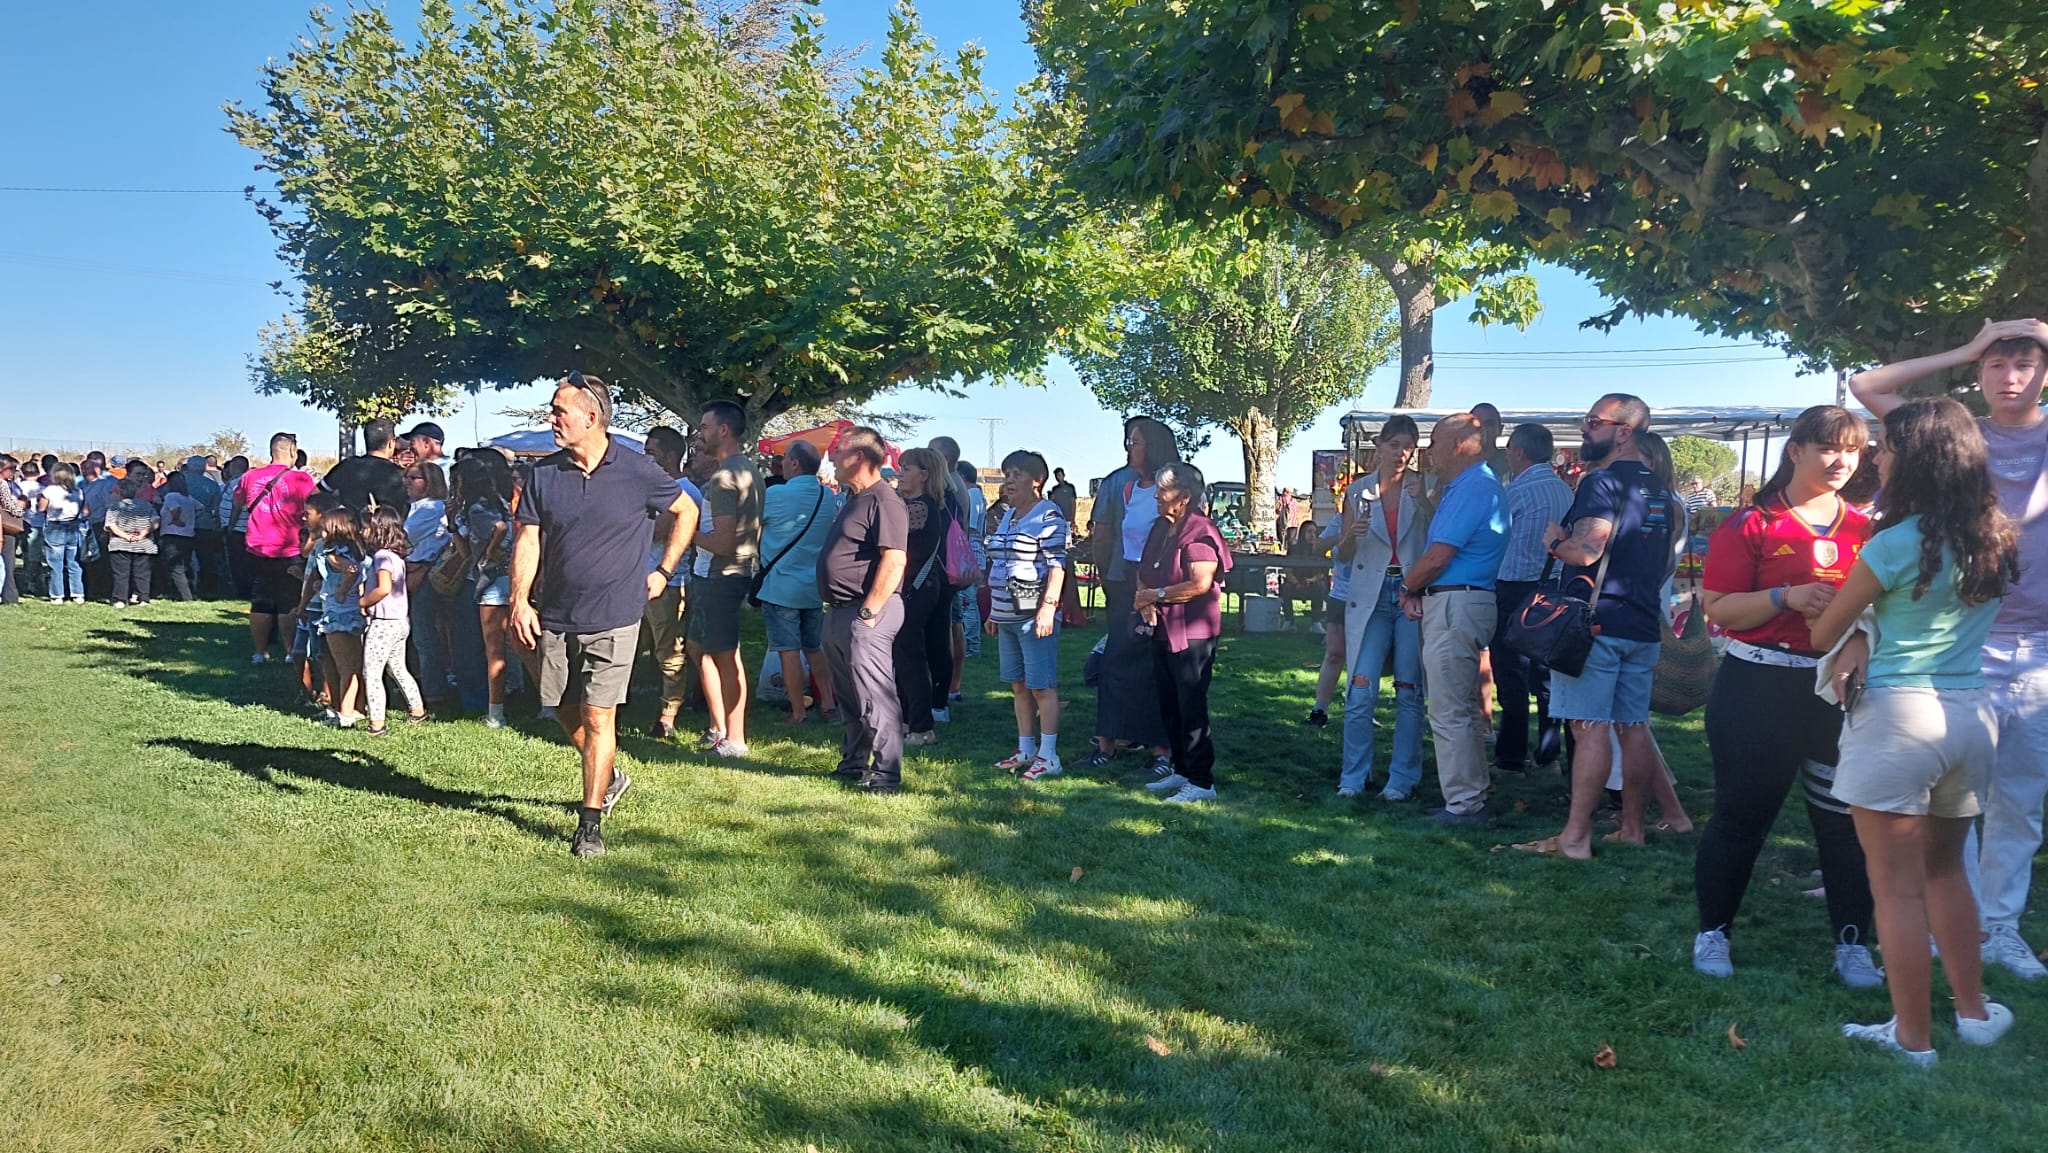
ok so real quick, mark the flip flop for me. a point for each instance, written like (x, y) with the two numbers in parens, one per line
(1665, 827)
(1547, 847)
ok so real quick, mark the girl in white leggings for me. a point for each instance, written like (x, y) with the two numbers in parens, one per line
(390, 616)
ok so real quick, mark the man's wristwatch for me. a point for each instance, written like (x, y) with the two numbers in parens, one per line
(665, 574)
(865, 613)
(1407, 592)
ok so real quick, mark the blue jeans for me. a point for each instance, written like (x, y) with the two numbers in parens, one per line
(1387, 628)
(60, 556)
(424, 605)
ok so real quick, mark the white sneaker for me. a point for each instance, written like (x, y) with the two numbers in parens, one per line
(620, 783)
(1886, 1036)
(924, 738)
(254, 658)
(493, 722)
(1997, 1019)
(1043, 767)
(1346, 791)
(1191, 793)
(2004, 947)
(1710, 954)
(1853, 964)
(1167, 783)
(731, 748)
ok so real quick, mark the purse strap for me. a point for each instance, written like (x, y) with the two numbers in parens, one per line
(1599, 575)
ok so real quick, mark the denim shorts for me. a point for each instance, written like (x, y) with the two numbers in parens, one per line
(494, 593)
(790, 629)
(1025, 656)
(342, 620)
(1614, 686)
(306, 639)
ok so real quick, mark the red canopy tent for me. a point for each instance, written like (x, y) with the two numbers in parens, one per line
(826, 438)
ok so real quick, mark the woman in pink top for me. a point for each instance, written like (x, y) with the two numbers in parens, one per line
(1179, 601)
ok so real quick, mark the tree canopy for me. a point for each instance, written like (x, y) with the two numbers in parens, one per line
(1856, 179)
(1256, 335)
(641, 190)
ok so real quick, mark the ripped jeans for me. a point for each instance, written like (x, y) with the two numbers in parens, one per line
(1386, 629)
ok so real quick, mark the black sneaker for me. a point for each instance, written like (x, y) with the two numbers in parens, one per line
(588, 842)
(620, 783)
(1317, 718)
(663, 730)
(851, 773)
(878, 786)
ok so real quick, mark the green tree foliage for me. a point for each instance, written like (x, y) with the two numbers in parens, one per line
(1710, 460)
(1857, 179)
(640, 189)
(1255, 335)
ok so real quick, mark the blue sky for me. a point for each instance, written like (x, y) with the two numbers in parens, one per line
(129, 318)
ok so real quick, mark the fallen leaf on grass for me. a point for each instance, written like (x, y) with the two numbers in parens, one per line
(1736, 1040)
(696, 1062)
(1075, 875)
(56, 979)
(1158, 1046)
(1605, 1057)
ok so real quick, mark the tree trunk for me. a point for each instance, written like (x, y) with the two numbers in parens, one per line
(1260, 439)
(1415, 293)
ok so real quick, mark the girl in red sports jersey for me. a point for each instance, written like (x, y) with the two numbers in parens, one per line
(1771, 568)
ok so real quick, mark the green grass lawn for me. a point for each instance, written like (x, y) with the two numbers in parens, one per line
(229, 928)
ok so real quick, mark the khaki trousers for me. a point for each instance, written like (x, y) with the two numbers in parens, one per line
(1455, 626)
(664, 620)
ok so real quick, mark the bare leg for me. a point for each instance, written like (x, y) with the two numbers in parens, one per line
(821, 672)
(1664, 791)
(260, 627)
(1048, 703)
(1026, 708)
(959, 654)
(1640, 767)
(729, 709)
(594, 732)
(713, 688)
(1333, 666)
(793, 680)
(493, 618)
(1593, 758)
(348, 666)
(1952, 914)
(1894, 845)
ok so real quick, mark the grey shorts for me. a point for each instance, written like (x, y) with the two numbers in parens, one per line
(587, 668)
(714, 619)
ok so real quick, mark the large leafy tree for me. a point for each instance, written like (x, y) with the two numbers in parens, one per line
(1852, 178)
(641, 189)
(1255, 335)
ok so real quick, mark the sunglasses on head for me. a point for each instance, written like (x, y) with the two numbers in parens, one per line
(599, 393)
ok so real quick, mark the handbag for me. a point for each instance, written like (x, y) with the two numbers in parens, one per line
(760, 579)
(1685, 666)
(962, 570)
(450, 569)
(1553, 626)
(11, 525)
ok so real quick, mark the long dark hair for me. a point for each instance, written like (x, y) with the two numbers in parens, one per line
(381, 529)
(1941, 473)
(1825, 425)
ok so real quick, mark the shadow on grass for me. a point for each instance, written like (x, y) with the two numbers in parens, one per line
(361, 772)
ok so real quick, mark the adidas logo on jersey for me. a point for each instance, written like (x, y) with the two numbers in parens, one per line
(1783, 550)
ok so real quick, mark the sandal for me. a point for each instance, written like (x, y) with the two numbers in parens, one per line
(1547, 847)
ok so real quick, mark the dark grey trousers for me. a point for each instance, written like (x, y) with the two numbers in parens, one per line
(864, 680)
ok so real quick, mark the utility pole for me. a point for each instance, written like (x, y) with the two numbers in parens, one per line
(1841, 388)
(991, 421)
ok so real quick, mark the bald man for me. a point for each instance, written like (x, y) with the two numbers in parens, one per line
(1450, 589)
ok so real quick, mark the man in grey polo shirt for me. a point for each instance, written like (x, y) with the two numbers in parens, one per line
(584, 520)
(729, 551)
(860, 571)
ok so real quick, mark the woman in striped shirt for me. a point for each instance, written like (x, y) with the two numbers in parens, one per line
(1027, 556)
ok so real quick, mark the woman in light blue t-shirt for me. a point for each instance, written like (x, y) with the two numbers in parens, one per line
(1920, 737)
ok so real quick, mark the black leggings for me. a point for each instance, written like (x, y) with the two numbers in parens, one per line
(1764, 724)
(924, 651)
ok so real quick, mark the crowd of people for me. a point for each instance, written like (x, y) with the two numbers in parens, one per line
(1881, 649)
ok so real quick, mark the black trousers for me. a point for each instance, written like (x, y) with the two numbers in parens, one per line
(99, 573)
(10, 586)
(1184, 705)
(176, 556)
(1517, 678)
(924, 652)
(1764, 724)
(206, 549)
(130, 574)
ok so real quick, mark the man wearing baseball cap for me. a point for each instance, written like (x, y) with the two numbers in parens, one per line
(426, 438)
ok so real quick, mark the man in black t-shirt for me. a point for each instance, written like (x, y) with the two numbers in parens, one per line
(860, 571)
(374, 474)
(1622, 515)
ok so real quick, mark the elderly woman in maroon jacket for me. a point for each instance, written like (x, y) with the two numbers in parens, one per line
(1179, 601)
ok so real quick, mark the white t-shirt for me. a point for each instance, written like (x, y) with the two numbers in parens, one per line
(684, 568)
(179, 514)
(64, 504)
(1139, 513)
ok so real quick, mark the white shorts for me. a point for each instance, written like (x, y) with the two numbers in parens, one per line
(1917, 751)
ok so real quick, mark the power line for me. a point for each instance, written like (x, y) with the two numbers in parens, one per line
(1596, 366)
(127, 191)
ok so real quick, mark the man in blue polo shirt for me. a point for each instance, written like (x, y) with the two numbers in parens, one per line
(1450, 590)
(583, 528)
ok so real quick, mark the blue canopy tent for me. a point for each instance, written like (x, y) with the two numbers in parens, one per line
(541, 441)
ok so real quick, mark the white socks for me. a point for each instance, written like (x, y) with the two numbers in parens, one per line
(1027, 746)
(1048, 746)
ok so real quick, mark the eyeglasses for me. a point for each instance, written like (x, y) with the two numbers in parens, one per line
(1593, 422)
(599, 392)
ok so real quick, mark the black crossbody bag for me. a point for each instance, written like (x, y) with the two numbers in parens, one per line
(1552, 625)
